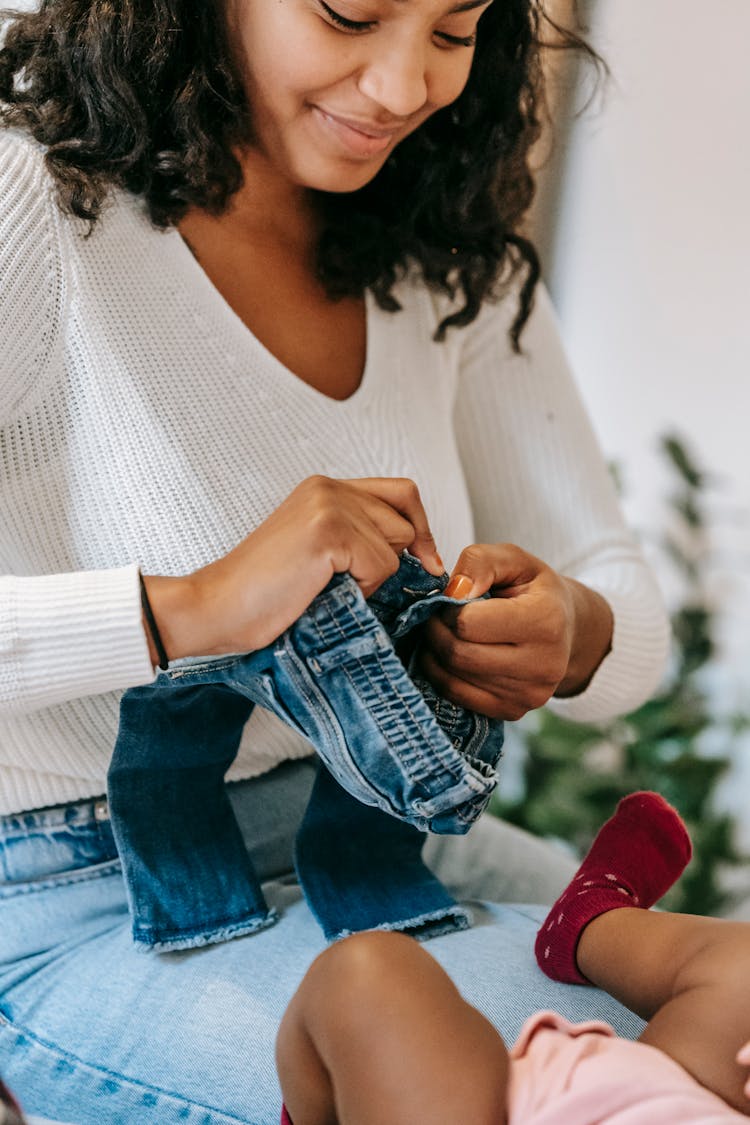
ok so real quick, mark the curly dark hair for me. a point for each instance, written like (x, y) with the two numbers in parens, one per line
(145, 95)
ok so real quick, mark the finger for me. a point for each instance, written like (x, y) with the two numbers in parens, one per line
(488, 565)
(373, 559)
(504, 621)
(467, 659)
(525, 688)
(390, 524)
(402, 494)
(495, 705)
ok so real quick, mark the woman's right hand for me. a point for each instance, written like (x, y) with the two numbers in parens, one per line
(246, 599)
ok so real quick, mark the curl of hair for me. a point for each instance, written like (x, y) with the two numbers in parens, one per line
(144, 95)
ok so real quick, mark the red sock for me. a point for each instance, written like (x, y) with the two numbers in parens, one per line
(636, 857)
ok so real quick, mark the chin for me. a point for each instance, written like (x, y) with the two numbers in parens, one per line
(338, 177)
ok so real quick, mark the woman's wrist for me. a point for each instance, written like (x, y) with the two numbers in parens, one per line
(177, 618)
(592, 637)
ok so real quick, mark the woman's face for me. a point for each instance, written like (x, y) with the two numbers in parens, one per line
(334, 87)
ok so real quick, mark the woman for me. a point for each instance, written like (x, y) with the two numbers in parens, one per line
(302, 372)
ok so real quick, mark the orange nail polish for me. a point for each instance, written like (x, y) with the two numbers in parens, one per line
(459, 586)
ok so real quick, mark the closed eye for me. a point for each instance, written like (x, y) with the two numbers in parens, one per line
(365, 25)
(457, 40)
(342, 21)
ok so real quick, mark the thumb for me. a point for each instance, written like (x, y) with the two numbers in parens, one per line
(482, 566)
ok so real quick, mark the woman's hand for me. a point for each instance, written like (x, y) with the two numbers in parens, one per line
(244, 600)
(540, 634)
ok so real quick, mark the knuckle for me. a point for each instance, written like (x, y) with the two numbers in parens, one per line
(391, 564)
(452, 650)
(317, 483)
(514, 711)
(409, 487)
(324, 522)
(471, 554)
(538, 696)
(461, 627)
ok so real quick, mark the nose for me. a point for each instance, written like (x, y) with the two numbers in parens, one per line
(396, 79)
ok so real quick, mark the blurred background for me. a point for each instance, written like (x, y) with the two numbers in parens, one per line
(642, 224)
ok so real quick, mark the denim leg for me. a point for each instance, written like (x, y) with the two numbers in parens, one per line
(190, 880)
(361, 869)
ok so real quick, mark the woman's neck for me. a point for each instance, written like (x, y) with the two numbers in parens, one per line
(270, 206)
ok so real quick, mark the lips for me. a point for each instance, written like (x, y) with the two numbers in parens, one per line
(360, 138)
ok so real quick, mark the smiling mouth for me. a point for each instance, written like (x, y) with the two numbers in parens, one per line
(359, 138)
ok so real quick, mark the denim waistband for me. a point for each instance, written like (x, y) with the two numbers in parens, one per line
(336, 677)
(76, 814)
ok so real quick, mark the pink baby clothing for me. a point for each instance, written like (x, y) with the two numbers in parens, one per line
(564, 1073)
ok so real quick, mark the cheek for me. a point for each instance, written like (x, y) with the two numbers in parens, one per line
(451, 77)
(277, 55)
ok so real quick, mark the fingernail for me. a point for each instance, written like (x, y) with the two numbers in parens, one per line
(743, 1055)
(440, 562)
(459, 586)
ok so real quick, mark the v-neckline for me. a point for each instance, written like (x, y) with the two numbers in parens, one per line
(247, 340)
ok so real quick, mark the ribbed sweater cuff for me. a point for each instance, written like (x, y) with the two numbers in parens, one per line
(637, 660)
(64, 636)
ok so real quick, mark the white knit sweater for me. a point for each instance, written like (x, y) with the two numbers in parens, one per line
(142, 423)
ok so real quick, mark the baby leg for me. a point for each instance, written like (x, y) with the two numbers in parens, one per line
(378, 1032)
(688, 976)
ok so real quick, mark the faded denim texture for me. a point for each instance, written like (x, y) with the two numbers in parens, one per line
(94, 1032)
(396, 761)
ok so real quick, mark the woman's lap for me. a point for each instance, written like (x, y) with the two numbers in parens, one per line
(92, 1031)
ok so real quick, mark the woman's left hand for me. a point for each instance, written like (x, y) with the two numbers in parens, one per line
(540, 634)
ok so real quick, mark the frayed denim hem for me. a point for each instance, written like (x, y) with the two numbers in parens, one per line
(422, 927)
(210, 937)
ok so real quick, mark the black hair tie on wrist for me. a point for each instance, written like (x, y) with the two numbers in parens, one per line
(153, 628)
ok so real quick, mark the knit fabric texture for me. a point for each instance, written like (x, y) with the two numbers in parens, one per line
(141, 423)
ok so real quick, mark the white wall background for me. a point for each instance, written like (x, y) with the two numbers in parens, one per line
(651, 278)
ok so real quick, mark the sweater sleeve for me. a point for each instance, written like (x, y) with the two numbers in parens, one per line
(67, 635)
(32, 276)
(537, 478)
(63, 636)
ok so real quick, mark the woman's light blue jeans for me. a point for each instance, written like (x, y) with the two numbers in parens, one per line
(93, 1032)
